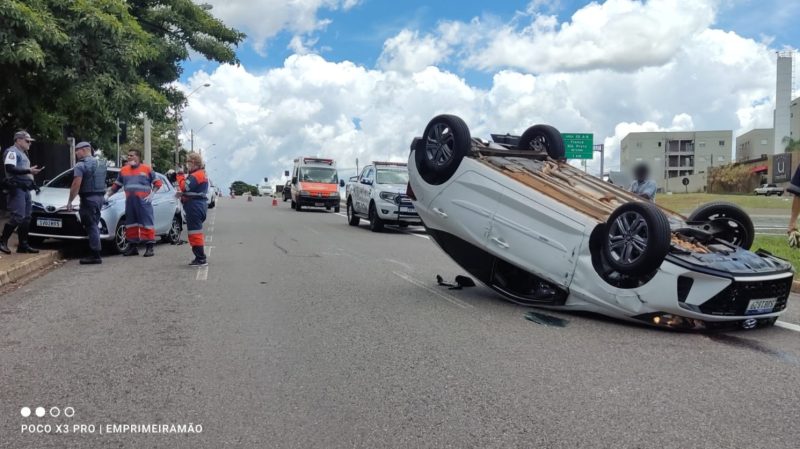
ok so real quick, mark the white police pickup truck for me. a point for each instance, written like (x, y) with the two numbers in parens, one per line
(378, 194)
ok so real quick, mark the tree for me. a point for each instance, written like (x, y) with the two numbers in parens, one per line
(83, 64)
(162, 143)
(240, 187)
(791, 144)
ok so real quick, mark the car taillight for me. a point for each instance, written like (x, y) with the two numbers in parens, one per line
(410, 192)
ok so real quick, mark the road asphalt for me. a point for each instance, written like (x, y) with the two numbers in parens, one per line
(305, 332)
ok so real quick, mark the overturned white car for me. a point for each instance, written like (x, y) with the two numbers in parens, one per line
(543, 233)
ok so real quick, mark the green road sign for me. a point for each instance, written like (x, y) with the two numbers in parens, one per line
(578, 146)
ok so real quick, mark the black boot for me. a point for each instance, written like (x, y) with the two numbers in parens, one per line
(24, 247)
(8, 229)
(133, 250)
(148, 252)
(199, 257)
(93, 259)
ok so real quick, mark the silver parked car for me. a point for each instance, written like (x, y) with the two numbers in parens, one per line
(50, 218)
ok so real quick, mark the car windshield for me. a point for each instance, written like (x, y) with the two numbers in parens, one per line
(319, 174)
(392, 176)
(64, 180)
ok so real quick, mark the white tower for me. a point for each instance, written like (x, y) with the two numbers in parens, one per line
(783, 99)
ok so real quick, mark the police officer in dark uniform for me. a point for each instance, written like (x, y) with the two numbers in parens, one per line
(19, 181)
(89, 182)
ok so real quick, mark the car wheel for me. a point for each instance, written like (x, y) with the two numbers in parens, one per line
(780, 193)
(174, 234)
(545, 139)
(732, 224)
(213, 204)
(375, 222)
(298, 207)
(352, 219)
(444, 144)
(336, 209)
(120, 242)
(637, 238)
(293, 204)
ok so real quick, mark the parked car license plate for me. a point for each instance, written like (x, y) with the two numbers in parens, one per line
(760, 306)
(319, 204)
(48, 222)
(408, 210)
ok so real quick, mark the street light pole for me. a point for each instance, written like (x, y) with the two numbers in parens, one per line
(192, 135)
(177, 124)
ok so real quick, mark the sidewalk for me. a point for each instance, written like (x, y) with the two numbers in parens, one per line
(14, 267)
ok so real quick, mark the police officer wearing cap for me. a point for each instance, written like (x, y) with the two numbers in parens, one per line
(19, 180)
(89, 183)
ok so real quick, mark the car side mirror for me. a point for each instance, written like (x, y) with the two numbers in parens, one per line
(294, 179)
(341, 183)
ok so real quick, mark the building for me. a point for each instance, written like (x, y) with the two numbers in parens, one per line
(673, 156)
(783, 100)
(794, 116)
(753, 144)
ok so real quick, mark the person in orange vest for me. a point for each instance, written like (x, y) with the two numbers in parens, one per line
(140, 184)
(195, 203)
(181, 178)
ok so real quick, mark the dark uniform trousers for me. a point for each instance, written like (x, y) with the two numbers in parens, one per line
(89, 213)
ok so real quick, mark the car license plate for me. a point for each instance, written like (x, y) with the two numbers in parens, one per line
(407, 210)
(757, 306)
(319, 204)
(48, 222)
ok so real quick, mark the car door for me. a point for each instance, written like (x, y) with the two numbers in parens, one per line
(534, 237)
(164, 205)
(362, 191)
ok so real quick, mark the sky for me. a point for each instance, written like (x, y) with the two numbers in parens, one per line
(358, 79)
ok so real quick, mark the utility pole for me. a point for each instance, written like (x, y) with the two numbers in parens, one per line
(118, 161)
(148, 152)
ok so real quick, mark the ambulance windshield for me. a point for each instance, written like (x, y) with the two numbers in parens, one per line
(319, 174)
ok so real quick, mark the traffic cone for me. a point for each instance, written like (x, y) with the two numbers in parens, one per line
(274, 201)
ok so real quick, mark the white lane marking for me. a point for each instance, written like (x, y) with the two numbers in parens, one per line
(416, 235)
(202, 274)
(402, 264)
(208, 251)
(209, 238)
(448, 298)
(211, 229)
(790, 326)
(340, 214)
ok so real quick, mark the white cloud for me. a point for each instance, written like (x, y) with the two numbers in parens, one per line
(262, 20)
(709, 79)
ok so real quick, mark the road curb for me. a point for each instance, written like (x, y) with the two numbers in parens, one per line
(24, 268)
(795, 286)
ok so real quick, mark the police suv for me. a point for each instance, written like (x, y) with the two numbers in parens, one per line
(379, 195)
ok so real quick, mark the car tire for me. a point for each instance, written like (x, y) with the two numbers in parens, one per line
(119, 243)
(213, 204)
(543, 138)
(173, 236)
(352, 218)
(740, 230)
(637, 238)
(293, 204)
(298, 207)
(443, 145)
(336, 209)
(375, 222)
(780, 193)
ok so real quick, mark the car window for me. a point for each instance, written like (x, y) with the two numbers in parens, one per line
(62, 181)
(392, 176)
(370, 173)
(364, 172)
(166, 186)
